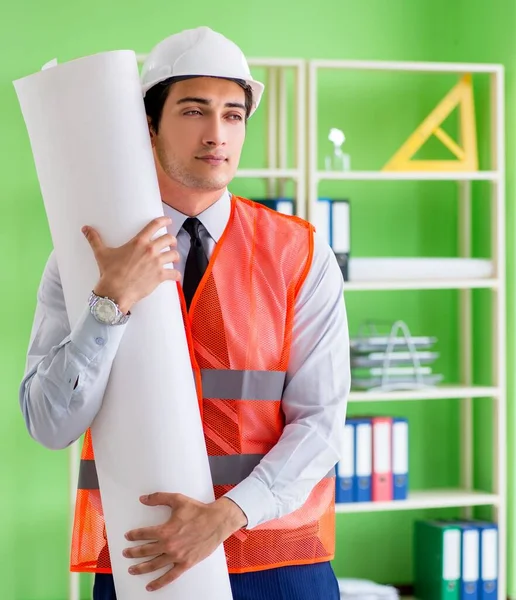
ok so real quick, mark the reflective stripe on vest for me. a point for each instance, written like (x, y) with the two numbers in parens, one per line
(242, 385)
(225, 470)
(228, 385)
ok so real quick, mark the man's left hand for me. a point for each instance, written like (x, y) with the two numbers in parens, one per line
(192, 533)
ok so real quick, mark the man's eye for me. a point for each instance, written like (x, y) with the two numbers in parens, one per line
(235, 117)
(193, 112)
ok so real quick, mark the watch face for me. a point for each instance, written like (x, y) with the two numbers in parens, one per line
(105, 311)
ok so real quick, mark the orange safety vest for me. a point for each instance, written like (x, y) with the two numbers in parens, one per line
(239, 329)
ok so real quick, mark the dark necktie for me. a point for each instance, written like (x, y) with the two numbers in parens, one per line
(196, 261)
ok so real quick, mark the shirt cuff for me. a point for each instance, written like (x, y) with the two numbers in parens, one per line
(255, 500)
(89, 336)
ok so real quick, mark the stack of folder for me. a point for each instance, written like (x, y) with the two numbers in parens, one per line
(456, 560)
(374, 460)
(282, 205)
(332, 222)
(393, 362)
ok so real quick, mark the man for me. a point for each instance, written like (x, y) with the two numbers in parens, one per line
(264, 309)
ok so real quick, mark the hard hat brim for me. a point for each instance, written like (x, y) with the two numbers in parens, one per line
(256, 86)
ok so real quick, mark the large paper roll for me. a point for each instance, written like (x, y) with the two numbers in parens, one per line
(90, 141)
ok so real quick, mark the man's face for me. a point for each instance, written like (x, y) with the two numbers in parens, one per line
(201, 132)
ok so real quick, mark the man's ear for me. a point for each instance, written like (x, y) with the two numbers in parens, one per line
(152, 133)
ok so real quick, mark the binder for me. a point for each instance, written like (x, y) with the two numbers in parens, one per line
(382, 459)
(340, 227)
(362, 490)
(322, 219)
(488, 567)
(341, 235)
(346, 466)
(332, 221)
(400, 460)
(437, 560)
(282, 205)
(285, 206)
(470, 560)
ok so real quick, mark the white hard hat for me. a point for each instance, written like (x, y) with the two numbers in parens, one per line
(201, 52)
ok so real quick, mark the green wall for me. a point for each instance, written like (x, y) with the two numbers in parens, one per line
(421, 219)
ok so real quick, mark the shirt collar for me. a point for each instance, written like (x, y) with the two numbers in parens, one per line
(214, 218)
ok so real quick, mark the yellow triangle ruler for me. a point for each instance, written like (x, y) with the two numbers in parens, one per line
(467, 158)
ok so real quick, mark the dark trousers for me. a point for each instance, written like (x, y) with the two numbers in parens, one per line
(304, 582)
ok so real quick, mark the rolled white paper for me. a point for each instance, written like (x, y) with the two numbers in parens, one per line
(90, 141)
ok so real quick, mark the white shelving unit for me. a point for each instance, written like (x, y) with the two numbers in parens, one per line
(466, 497)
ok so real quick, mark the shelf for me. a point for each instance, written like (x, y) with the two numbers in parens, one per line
(439, 393)
(276, 62)
(256, 62)
(408, 175)
(268, 173)
(423, 67)
(444, 498)
(423, 284)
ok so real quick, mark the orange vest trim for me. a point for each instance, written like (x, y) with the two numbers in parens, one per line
(239, 332)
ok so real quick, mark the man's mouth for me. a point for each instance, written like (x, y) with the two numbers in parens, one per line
(212, 159)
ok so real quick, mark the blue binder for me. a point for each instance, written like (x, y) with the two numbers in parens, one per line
(332, 222)
(488, 576)
(322, 218)
(400, 458)
(346, 467)
(470, 560)
(363, 459)
(282, 205)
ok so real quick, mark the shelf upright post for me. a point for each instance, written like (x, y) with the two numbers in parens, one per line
(300, 140)
(312, 141)
(498, 327)
(466, 342)
(272, 128)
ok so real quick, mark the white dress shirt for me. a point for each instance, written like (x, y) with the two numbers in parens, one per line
(314, 399)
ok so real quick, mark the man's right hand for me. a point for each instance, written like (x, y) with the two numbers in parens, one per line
(132, 271)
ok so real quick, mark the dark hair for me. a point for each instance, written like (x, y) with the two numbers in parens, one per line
(157, 95)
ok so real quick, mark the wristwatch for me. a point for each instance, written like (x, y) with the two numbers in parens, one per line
(106, 311)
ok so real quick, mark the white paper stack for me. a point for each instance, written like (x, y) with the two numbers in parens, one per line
(90, 142)
(362, 589)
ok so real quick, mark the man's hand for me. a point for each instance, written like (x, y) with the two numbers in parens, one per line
(132, 271)
(191, 534)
